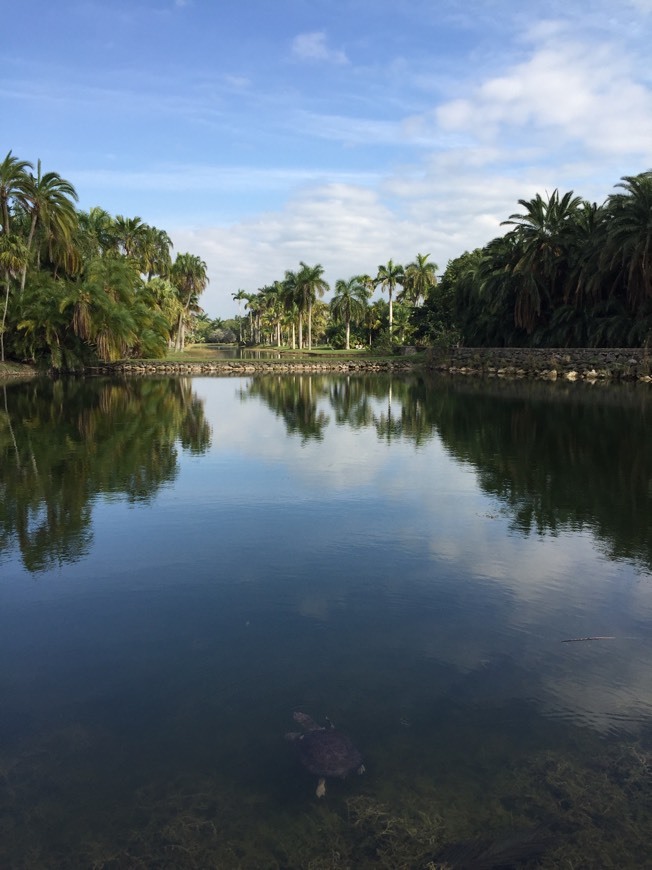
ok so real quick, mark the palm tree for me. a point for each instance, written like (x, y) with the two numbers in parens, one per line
(154, 252)
(387, 278)
(293, 299)
(274, 307)
(628, 248)
(14, 185)
(420, 278)
(311, 284)
(239, 296)
(543, 234)
(13, 256)
(96, 232)
(130, 234)
(188, 275)
(51, 208)
(349, 301)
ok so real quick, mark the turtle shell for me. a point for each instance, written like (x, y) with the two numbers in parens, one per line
(328, 752)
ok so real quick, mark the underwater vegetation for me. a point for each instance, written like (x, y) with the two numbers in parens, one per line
(549, 809)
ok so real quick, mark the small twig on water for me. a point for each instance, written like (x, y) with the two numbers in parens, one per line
(592, 637)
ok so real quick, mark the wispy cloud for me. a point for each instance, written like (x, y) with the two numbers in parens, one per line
(314, 47)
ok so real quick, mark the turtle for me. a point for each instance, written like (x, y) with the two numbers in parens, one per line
(325, 751)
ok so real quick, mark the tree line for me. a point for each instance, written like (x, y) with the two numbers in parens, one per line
(568, 273)
(80, 286)
(283, 312)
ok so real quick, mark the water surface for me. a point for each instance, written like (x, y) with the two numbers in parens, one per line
(185, 562)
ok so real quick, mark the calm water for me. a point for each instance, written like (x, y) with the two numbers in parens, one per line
(184, 563)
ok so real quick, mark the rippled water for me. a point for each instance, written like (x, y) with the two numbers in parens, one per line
(185, 563)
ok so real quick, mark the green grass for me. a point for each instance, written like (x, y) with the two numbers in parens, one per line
(209, 352)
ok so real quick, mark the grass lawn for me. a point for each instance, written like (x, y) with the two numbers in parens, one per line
(208, 352)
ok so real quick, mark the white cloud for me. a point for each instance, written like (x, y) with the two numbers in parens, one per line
(314, 46)
(582, 92)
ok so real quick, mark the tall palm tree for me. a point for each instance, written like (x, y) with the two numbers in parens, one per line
(420, 278)
(51, 209)
(154, 252)
(14, 186)
(189, 276)
(96, 232)
(543, 233)
(312, 284)
(239, 296)
(13, 256)
(349, 301)
(294, 303)
(130, 234)
(387, 278)
(628, 248)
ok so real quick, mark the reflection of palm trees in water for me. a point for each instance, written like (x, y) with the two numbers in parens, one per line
(387, 427)
(294, 398)
(70, 441)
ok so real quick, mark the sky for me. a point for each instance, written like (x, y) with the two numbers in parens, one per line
(262, 133)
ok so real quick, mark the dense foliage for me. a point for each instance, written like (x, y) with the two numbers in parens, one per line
(76, 287)
(81, 286)
(569, 273)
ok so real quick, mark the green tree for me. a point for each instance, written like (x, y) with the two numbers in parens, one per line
(293, 300)
(387, 278)
(348, 303)
(628, 248)
(420, 278)
(14, 187)
(239, 296)
(13, 256)
(311, 284)
(543, 233)
(130, 235)
(51, 210)
(189, 276)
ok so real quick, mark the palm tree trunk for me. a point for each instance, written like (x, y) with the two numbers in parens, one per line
(4, 320)
(348, 333)
(310, 326)
(30, 239)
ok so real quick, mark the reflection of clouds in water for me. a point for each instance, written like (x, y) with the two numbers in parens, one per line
(345, 459)
(521, 593)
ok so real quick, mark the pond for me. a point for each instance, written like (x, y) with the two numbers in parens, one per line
(455, 574)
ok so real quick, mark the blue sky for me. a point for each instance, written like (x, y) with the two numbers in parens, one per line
(264, 132)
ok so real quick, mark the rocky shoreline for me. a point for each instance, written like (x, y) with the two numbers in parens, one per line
(246, 367)
(574, 364)
(588, 364)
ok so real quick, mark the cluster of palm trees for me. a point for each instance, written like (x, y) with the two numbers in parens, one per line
(283, 312)
(78, 286)
(568, 273)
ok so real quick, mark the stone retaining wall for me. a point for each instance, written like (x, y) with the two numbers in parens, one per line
(247, 367)
(550, 364)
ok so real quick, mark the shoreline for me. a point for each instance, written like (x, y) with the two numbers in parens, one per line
(550, 364)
